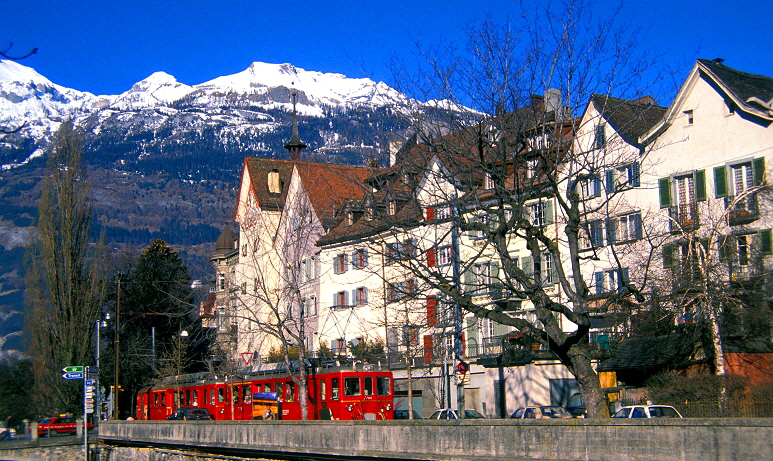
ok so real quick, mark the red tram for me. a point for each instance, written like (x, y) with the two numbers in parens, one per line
(350, 393)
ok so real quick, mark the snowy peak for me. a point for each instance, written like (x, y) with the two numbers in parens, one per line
(11, 71)
(159, 88)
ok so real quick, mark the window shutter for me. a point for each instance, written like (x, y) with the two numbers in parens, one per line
(335, 265)
(638, 230)
(427, 348)
(496, 284)
(430, 213)
(468, 281)
(726, 248)
(431, 257)
(472, 329)
(553, 268)
(664, 184)
(365, 256)
(431, 310)
(699, 178)
(335, 300)
(346, 262)
(596, 186)
(610, 179)
(720, 181)
(500, 329)
(598, 282)
(611, 231)
(668, 255)
(547, 212)
(355, 260)
(758, 170)
(365, 295)
(766, 241)
(622, 277)
(527, 266)
(355, 300)
(346, 299)
(635, 174)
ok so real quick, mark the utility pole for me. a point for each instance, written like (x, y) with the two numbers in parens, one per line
(458, 352)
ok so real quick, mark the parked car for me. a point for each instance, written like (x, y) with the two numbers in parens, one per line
(449, 413)
(403, 414)
(575, 406)
(191, 414)
(7, 434)
(647, 411)
(538, 412)
(59, 425)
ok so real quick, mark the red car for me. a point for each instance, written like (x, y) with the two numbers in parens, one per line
(60, 425)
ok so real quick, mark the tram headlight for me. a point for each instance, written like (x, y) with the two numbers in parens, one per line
(350, 407)
(389, 406)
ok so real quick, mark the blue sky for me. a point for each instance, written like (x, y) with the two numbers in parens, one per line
(105, 46)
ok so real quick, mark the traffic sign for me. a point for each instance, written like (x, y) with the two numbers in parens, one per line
(90, 409)
(89, 388)
(90, 382)
(73, 370)
(72, 376)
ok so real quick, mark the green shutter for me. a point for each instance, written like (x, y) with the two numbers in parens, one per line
(766, 241)
(699, 177)
(758, 170)
(726, 247)
(664, 185)
(527, 266)
(720, 181)
(547, 211)
(668, 255)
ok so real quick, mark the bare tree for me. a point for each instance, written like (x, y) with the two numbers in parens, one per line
(66, 282)
(507, 190)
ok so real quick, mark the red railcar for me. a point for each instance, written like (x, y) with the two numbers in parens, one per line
(353, 392)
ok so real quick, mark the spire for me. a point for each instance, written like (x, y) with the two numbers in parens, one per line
(294, 146)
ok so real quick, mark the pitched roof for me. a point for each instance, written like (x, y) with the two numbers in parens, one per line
(225, 243)
(630, 119)
(328, 185)
(743, 86)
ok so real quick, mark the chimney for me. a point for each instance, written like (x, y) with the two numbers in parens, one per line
(553, 101)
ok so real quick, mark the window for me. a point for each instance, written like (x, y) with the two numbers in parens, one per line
(591, 187)
(627, 175)
(392, 207)
(439, 256)
(626, 228)
(400, 251)
(352, 386)
(532, 166)
(443, 212)
(594, 235)
(482, 278)
(221, 281)
(688, 189)
(309, 306)
(688, 117)
(489, 182)
(743, 176)
(383, 385)
(360, 258)
(609, 281)
(541, 213)
(599, 137)
(360, 296)
(411, 336)
(543, 269)
(341, 300)
(340, 264)
(401, 290)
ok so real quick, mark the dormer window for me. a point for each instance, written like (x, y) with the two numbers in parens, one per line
(600, 137)
(489, 183)
(274, 182)
(349, 218)
(392, 207)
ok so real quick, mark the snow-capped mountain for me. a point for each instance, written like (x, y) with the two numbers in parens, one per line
(238, 111)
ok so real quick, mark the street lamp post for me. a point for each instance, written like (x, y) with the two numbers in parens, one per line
(116, 341)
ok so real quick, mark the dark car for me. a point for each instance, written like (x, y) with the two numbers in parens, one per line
(576, 406)
(59, 425)
(539, 412)
(191, 414)
(403, 414)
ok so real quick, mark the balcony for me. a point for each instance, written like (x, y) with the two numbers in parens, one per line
(684, 217)
(743, 210)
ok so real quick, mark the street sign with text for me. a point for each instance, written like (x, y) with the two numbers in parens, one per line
(72, 369)
(72, 376)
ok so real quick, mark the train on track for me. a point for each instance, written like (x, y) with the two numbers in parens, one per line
(353, 392)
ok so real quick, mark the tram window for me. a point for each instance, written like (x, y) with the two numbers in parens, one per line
(368, 385)
(268, 387)
(258, 388)
(279, 392)
(382, 385)
(195, 398)
(211, 396)
(246, 395)
(334, 388)
(290, 388)
(323, 390)
(220, 394)
(352, 386)
(235, 394)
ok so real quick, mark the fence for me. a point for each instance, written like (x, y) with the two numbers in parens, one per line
(731, 408)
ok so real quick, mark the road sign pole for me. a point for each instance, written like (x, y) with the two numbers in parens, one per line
(85, 418)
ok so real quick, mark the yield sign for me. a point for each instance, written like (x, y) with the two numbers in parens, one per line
(247, 357)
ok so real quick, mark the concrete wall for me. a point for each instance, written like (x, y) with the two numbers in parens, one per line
(614, 440)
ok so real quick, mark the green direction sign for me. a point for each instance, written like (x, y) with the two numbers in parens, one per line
(72, 369)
